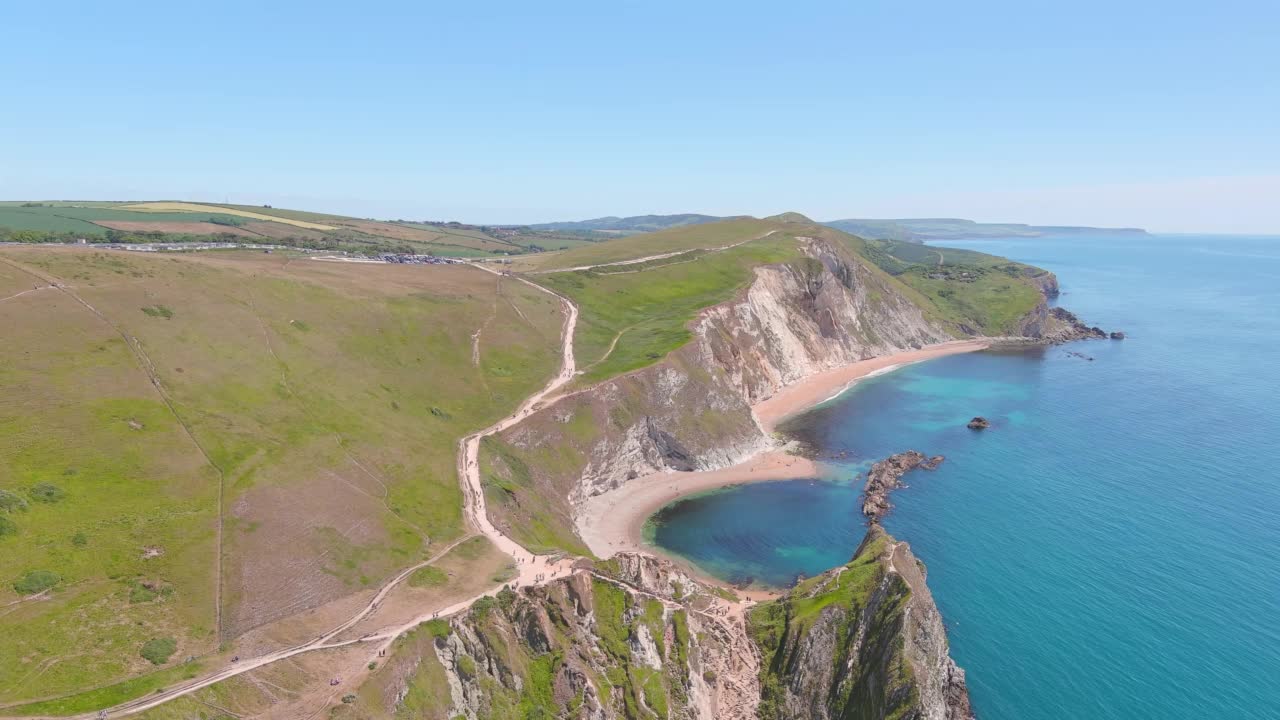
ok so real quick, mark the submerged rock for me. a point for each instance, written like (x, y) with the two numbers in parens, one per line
(979, 423)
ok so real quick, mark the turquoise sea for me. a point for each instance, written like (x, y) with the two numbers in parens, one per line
(1110, 548)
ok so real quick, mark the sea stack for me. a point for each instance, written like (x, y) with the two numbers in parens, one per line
(1117, 335)
(979, 423)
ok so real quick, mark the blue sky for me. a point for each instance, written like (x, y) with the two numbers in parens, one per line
(1164, 115)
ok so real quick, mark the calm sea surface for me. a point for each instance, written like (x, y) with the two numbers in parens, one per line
(1110, 548)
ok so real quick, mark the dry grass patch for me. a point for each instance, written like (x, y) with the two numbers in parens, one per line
(197, 207)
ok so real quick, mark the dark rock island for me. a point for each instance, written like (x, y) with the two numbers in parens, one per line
(886, 476)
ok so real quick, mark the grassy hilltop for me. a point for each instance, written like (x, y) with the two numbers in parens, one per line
(633, 314)
(206, 453)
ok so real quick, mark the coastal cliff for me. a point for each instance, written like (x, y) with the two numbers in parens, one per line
(860, 641)
(634, 637)
(692, 410)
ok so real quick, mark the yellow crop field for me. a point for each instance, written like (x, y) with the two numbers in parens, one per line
(197, 207)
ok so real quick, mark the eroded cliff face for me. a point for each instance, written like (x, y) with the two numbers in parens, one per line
(633, 638)
(863, 641)
(692, 411)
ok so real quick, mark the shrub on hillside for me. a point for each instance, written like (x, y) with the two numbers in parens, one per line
(158, 311)
(9, 502)
(47, 492)
(158, 650)
(36, 581)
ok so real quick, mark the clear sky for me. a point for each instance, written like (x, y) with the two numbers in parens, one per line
(1127, 112)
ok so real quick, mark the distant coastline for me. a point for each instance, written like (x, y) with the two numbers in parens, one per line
(903, 229)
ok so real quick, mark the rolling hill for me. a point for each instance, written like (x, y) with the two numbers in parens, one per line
(206, 448)
(632, 225)
(214, 458)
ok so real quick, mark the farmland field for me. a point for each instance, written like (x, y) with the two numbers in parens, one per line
(87, 219)
(168, 207)
(171, 221)
(191, 228)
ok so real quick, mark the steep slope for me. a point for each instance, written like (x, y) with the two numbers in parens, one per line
(634, 637)
(859, 642)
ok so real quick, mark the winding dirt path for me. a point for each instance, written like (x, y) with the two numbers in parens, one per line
(647, 258)
(533, 569)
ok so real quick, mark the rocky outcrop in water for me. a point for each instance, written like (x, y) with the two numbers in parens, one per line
(1066, 327)
(886, 476)
(861, 641)
(1117, 335)
(979, 423)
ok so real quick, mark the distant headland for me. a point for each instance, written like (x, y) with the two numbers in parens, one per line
(906, 229)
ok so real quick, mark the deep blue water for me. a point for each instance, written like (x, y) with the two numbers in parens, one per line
(1111, 547)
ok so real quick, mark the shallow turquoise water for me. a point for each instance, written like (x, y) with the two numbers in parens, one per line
(1111, 547)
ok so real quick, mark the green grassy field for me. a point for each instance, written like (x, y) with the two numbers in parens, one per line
(631, 319)
(985, 293)
(82, 219)
(324, 400)
(691, 237)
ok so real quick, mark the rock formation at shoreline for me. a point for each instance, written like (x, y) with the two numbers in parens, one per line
(886, 476)
(864, 640)
(635, 637)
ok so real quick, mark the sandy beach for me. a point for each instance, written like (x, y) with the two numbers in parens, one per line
(614, 521)
(817, 389)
